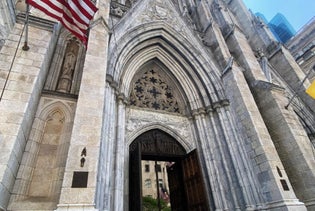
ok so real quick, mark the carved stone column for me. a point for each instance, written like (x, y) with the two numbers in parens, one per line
(104, 197)
(247, 183)
(119, 156)
(223, 158)
(206, 144)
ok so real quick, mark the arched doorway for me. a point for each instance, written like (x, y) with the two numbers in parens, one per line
(186, 187)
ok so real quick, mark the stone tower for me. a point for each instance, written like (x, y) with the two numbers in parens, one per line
(202, 84)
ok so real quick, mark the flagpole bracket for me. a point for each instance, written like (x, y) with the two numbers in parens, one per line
(25, 47)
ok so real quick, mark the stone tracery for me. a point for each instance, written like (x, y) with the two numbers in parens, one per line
(152, 91)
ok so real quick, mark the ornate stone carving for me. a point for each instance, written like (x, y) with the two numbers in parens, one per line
(139, 119)
(153, 92)
(157, 11)
(160, 11)
(117, 9)
(158, 142)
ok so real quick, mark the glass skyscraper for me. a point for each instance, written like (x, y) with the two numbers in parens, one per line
(282, 28)
(279, 26)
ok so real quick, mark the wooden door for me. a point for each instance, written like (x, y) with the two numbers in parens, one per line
(187, 190)
(176, 187)
(195, 190)
(135, 181)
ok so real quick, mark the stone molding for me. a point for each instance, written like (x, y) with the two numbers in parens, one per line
(140, 120)
(117, 9)
(37, 21)
(76, 207)
(265, 85)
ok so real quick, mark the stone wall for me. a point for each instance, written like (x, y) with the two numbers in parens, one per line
(22, 78)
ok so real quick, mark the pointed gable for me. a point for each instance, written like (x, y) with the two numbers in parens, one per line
(155, 30)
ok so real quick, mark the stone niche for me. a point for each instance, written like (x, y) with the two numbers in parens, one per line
(39, 180)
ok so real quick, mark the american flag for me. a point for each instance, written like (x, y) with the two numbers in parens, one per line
(75, 15)
(164, 194)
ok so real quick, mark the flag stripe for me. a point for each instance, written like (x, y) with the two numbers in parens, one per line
(51, 10)
(81, 11)
(85, 10)
(78, 33)
(60, 12)
(70, 23)
(75, 15)
(66, 10)
(89, 7)
(69, 17)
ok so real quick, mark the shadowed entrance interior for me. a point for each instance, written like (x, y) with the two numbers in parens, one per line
(186, 187)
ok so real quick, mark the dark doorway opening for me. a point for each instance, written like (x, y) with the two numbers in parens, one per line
(185, 180)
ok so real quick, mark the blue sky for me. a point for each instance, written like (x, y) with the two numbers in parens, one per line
(297, 12)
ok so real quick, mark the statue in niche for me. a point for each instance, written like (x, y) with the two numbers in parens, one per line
(65, 79)
(263, 60)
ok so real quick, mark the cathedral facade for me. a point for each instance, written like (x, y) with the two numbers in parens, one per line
(203, 85)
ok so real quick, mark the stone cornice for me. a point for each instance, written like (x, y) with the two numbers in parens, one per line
(210, 108)
(268, 86)
(36, 21)
(112, 83)
(122, 98)
(228, 66)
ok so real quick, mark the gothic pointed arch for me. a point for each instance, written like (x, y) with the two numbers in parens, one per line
(154, 87)
(166, 39)
(198, 76)
(161, 127)
(51, 105)
(159, 143)
(41, 173)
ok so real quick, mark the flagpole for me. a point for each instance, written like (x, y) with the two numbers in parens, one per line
(11, 65)
(301, 84)
(25, 46)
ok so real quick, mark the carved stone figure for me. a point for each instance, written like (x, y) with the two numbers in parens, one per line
(65, 79)
(263, 60)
